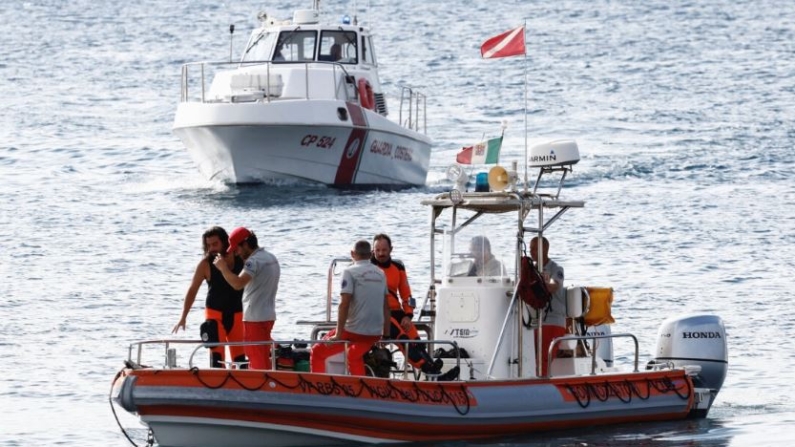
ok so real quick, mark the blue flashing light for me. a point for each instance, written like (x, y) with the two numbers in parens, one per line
(346, 19)
(482, 182)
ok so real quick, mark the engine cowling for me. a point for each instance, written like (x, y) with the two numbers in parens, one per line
(695, 340)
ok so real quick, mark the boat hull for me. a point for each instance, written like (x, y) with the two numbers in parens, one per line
(332, 142)
(280, 408)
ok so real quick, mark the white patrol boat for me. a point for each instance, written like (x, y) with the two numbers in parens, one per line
(305, 104)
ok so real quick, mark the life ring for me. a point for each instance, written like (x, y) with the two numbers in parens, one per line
(366, 96)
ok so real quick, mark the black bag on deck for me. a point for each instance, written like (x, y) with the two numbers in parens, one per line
(378, 362)
(451, 353)
(532, 289)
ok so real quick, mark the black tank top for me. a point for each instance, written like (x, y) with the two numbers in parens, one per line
(220, 295)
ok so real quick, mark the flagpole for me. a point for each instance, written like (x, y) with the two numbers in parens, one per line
(525, 107)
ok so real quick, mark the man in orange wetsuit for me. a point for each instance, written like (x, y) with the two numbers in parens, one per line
(401, 307)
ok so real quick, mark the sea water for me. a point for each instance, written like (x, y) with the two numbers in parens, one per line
(683, 112)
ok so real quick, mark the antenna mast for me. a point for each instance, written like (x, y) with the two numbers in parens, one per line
(231, 33)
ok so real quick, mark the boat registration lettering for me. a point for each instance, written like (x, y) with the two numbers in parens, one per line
(403, 153)
(321, 141)
(386, 149)
(381, 148)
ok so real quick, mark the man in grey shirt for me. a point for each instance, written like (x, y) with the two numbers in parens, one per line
(259, 280)
(363, 314)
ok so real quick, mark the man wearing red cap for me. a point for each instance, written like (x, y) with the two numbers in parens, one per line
(259, 281)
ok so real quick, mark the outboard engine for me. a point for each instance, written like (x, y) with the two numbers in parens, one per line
(695, 340)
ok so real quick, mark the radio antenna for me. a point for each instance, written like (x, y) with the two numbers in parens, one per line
(231, 33)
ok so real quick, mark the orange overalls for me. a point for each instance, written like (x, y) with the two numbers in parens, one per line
(401, 304)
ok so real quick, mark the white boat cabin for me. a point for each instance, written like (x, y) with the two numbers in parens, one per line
(304, 40)
(303, 59)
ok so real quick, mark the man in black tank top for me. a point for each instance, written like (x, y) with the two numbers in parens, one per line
(223, 307)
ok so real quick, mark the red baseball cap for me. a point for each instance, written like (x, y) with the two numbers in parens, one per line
(237, 236)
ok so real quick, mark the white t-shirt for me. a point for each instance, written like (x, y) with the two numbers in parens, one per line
(259, 295)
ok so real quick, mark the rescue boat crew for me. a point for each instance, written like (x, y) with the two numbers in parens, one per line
(555, 315)
(401, 307)
(259, 281)
(223, 307)
(362, 314)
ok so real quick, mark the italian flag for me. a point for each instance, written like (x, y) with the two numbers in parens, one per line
(485, 152)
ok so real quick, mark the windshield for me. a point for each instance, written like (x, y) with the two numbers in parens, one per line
(259, 47)
(478, 253)
(300, 46)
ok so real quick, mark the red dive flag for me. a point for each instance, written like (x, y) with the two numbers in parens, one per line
(509, 43)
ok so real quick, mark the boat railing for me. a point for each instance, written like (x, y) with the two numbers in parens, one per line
(413, 104)
(553, 347)
(188, 82)
(332, 272)
(321, 327)
(135, 350)
(135, 358)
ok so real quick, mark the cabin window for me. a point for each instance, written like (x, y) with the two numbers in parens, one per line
(295, 46)
(259, 47)
(368, 56)
(338, 46)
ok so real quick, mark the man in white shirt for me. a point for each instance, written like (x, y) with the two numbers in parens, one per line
(554, 319)
(259, 280)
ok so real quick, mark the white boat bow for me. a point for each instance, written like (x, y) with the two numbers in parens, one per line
(304, 104)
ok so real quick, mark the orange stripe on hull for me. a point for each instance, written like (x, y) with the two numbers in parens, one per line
(425, 393)
(626, 386)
